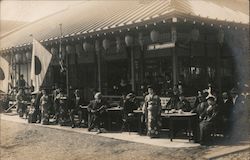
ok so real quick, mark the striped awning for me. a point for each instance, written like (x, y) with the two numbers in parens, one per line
(91, 17)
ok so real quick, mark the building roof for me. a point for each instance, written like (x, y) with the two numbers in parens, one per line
(91, 17)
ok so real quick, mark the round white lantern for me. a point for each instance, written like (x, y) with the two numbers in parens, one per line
(118, 44)
(18, 58)
(173, 34)
(97, 46)
(105, 44)
(28, 55)
(195, 34)
(86, 46)
(154, 35)
(221, 36)
(129, 40)
(78, 49)
(69, 49)
(140, 39)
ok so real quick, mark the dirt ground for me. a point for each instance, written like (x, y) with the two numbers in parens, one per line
(29, 142)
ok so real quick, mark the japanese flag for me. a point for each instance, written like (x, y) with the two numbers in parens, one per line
(41, 58)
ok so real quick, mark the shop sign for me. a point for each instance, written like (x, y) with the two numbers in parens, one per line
(161, 46)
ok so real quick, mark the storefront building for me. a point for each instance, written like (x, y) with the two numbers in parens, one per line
(142, 42)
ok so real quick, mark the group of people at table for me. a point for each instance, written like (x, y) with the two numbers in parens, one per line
(211, 110)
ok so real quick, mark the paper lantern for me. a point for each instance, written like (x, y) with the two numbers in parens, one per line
(69, 49)
(195, 34)
(140, 39)
(97, 46)
(105, 44)
(129, 40)
(173, 34)
(18, 58)
(118, 44)
(78, 49)
(24, 58)
(86, 46)
(28, 55)
(221, 36)
(154, 35)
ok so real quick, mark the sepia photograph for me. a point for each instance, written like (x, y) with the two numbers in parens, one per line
(124, 80)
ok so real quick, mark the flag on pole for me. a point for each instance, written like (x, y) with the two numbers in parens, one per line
(41, 58)
(4, 75)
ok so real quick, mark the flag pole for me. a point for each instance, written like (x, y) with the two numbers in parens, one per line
(67, 62)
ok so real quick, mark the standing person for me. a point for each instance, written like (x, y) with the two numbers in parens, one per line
(21, 105)
(21, 82)
(44, 107)
(209, 121)
(56, 104)
(76, 109)
(31, 110)
(97, 108)
(123, 88)
(226, 110)
(152, 109)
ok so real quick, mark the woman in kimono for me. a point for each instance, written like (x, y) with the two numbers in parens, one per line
(152, 111)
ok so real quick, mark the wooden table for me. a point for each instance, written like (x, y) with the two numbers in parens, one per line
(139, 115)
(110, 112)
(186, 116)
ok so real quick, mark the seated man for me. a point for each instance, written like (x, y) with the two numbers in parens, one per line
(207, 124)
(76, 109)
(183, 104)
(97, 108)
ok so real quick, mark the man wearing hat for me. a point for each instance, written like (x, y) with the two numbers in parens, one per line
(183, 104)
(209, 121)
(97, 108)
(76, 110)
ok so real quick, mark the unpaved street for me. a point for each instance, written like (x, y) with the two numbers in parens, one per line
(28, 142)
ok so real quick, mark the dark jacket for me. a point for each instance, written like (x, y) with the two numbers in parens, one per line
(184, 105)
(96, 107)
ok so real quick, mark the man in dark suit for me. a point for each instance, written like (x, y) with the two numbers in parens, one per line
(225, 112)
(97, 108)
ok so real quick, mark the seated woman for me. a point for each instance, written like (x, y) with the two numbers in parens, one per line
(152, 111)
(183, 104)
(97, 108)
(210, 118)
(174, 99)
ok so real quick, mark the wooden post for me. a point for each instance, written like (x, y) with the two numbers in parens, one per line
(99, 71)
(175, 66)
(132, 69)
(174, 55)
(67, 73)
(218, 68)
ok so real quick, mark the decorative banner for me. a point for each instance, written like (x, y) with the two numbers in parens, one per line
(41, 58)
(4, 75)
